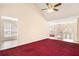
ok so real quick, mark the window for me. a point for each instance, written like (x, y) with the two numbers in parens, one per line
(8, 31)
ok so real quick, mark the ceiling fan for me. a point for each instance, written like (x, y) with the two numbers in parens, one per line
(52, 7)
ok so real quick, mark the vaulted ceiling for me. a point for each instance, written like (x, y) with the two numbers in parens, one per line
(65, 10)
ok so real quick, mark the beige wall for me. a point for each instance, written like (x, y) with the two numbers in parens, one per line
(78, 30)
(31, 25)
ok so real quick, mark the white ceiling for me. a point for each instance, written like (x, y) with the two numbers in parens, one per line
(65, 10)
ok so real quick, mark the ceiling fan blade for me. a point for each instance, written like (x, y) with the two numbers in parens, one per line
(44, 9)
(55, 9)
(47, 4)
(57, 5)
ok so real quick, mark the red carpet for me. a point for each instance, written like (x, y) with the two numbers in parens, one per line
(45, 47)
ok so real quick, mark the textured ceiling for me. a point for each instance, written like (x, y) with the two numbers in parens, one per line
(65, 10)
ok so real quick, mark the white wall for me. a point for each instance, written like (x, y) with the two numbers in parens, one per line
(31, 25)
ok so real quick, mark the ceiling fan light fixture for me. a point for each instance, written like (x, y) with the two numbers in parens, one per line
(50, 10)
